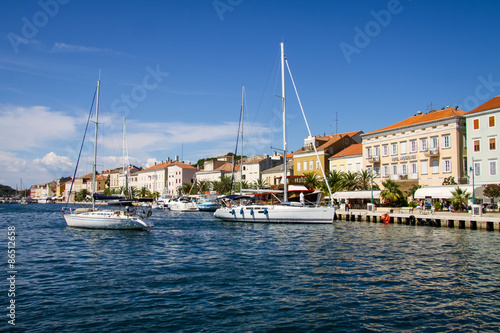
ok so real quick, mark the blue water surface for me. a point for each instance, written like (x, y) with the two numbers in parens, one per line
(192, 273)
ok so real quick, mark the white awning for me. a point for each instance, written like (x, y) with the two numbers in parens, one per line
(444, 192)
(356, 195)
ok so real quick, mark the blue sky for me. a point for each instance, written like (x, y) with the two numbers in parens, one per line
(175, 70)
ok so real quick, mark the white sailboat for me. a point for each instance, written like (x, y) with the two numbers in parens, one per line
(183, 204)
(240, 208)
(123, 217)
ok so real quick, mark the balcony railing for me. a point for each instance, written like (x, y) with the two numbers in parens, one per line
(374, 159)
(432, 152)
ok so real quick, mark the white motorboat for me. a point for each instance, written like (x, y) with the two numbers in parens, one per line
(183, 204)
(284, 212)
(125, 217)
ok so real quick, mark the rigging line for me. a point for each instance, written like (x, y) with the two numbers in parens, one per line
(81, 147)
(235, 152)
(309, 130)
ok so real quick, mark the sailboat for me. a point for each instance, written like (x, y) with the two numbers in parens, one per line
(240, 208)
(125, 216)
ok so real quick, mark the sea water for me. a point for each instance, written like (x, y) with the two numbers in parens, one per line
(192, 273)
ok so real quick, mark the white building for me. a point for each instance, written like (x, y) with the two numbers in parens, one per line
(482, 136)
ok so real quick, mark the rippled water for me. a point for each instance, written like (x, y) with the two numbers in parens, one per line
(192, 273)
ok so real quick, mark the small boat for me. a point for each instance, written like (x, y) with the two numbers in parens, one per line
(208, 202)
(183, 204)
(126, 216)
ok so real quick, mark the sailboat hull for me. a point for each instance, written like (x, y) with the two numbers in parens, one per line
(276, 214)
(106, 220)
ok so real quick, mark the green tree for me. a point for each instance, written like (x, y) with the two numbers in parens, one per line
(186, 188)
(144, 192)
(223, 186)
(203, 186)
(259, 183)
(311, 180)
(491, 191)
(449, 181)
(364, 180)
(82, 195)
(350, 180)
(412, 190)
(107, 191)
(392, 193)
(334, 179)
(460, 198)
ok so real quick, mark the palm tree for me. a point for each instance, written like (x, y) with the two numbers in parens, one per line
(350, 180)
(144, 192)
(392, 193)
(364, 180)
(259, 183)
(460, 198)
(311, 180)
(186, 188)
(203, 186)
(412, 190)
(334, 179)
(223, 185)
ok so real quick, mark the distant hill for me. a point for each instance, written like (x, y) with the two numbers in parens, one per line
(7, 191)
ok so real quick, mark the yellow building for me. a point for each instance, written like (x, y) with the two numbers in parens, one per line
(305, 159)
(424, 149)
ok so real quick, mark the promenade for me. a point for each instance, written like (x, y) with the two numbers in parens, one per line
(489, 221)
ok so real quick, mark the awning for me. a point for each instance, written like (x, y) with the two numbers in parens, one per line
(445, 192)
(356, 195)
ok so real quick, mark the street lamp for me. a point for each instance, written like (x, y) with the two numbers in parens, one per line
(371, 180)
(471, 169)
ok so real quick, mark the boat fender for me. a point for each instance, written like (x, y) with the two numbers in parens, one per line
(383, 217)
(265, 211)
(149, 213)
(251, 211)
(387, 219)
(241, 211)
(232, 211)
(118, 213)
(412, 219)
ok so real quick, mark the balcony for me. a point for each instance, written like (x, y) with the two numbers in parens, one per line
(374, 159)
(432, 152)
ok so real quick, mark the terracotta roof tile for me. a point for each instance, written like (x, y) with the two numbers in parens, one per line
(423, 118)
(493, 103)
(354, 149)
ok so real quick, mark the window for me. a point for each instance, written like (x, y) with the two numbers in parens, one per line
(446, 141)
(435, 166)
(413, 146)
(394, 148)
(385, 150)
(493, 145)
(493, 168)
(385, 170)
(298, 166)
(477, 168)
(423, 144)
(476, 145)
(342, 168)
(413, 171)
(491, 121)
(404, 169)
(304, 165)
(317, 165)
(434, 142)
(376, 151)
(394, 169)
(349, 167)
(358, 167)
(311, 165)
(423, 167)
(403, 147)
(476, 124)
(447, 165)
(376, 170)
(368, 152)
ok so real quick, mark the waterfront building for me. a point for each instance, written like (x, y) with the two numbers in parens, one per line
(423, 149)
(213, 170)
(252, 168)
(305, 159)
(155, 177)
(272, 177)
(349, 159)
(482, 137)
(178, 174)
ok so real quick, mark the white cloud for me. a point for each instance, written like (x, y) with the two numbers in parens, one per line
(63, 47)
(25, 128)
(54, 164)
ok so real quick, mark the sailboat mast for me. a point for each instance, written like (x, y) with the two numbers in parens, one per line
(242, 121)
(94, 168)
(285, 181)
